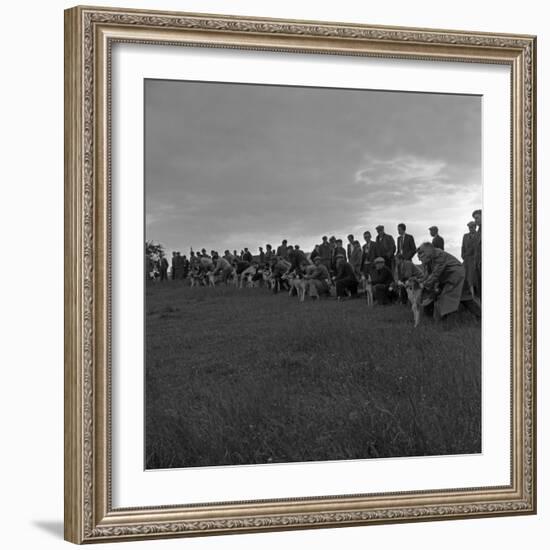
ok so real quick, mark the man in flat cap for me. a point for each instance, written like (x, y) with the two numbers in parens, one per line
(385, 246)
(437, 239)
(317, 279)
(443, 277)
(469, 248)
(382, 281)
(325, 252)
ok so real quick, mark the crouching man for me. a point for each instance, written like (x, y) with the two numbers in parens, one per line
(250, 274)
(443, 277)
(345, 279)
(279, 267)
(222, 269)
(382, 282)
(317, 278)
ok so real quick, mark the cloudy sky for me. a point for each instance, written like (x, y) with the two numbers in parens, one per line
(235, 165)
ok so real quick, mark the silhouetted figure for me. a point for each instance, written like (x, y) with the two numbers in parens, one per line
(385, 246)
(437, 239)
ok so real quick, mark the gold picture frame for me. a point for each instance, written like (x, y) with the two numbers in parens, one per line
(89, 35)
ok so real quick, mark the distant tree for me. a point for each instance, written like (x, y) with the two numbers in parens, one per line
(154, 251)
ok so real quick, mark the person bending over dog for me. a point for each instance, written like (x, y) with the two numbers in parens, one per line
(317, 279)
(444, 272)
(223, 269)
(279, 267)
(345, 278)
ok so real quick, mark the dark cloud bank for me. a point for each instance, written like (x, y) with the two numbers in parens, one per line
(231, 165)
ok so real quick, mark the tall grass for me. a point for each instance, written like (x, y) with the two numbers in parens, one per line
(245, 377)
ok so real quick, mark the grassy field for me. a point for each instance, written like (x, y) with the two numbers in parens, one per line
(246, 377)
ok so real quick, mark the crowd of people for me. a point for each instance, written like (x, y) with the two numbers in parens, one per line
(384, 262)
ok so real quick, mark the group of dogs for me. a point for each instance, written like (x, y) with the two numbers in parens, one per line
(249, 278)
(297, 285)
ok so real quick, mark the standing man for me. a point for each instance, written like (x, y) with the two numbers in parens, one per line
(338, 249)
(282, 249)
(406, 249)
(355, 259)
(163, 269)
(184, 267)
(268, 254)
(476, 214)
(228, 256)
(290, 256)
(300, 257)
(385, 246)
(247, 256)
(174, 260)
(193, 261)
(469, 248)
(314, 253)
(349, 247)
(332, 245)
(345, 278)
(262, 256)
(325, 252)
(179, 265)
(369, 254)
(437, 240)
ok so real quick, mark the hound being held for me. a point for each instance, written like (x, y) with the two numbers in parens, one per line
(365, 286)
(297, 284)
(414, 294)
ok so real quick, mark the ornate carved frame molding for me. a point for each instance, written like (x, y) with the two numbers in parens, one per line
(89, 35)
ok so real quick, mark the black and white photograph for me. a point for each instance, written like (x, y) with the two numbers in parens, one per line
(313, 274)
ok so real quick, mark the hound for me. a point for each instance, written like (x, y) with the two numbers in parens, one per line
(250, 283)
(268, 278)
(211, 279)
(365, 286)
(196, 278)
(296, 284)
(233, 279)
(414, 294)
